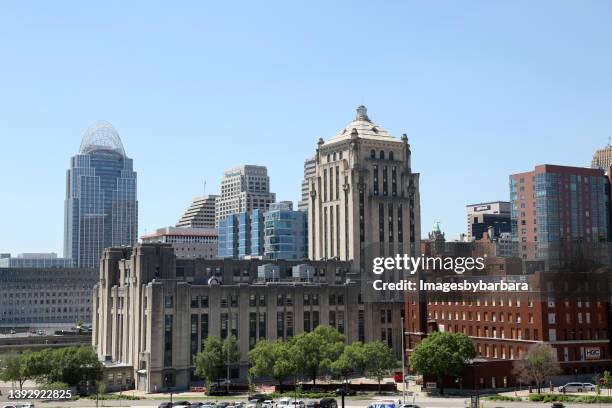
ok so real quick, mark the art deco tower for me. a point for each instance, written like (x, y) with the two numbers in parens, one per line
(101, 209)
(364, 197)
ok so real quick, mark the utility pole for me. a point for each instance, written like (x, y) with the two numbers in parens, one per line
(227, 379)
(403, 364)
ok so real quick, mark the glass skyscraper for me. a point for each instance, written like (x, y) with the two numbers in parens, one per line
(101, 209)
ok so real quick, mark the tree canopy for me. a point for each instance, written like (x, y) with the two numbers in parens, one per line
(539, 363)
(442, 354)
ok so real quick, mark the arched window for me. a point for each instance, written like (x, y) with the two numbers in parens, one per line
(334, 156)
(372, 154)
(382, 155)
(390, 155)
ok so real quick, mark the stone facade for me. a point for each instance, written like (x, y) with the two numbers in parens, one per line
(154, 311)
(364, 203)
(37, 297)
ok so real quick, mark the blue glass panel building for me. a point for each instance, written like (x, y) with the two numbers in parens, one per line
(286, 234)
(241, 235)
(279, 233)
(101, 209)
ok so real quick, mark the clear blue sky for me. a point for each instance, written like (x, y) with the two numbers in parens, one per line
(483, 89)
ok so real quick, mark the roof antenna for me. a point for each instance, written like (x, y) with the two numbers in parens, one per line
(204, 186)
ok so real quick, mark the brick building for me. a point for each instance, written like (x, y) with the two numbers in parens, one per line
(568, 310)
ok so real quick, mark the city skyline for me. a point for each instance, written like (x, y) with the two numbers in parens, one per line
(446, 105)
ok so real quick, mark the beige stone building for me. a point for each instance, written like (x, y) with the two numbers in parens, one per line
(602, 158)
(364, 197)
(364, 203)
(243, 188)
(200, 214)
(153, 311)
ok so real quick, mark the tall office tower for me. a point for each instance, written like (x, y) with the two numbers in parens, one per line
(556, 209)
(602, 158)
(285, 234)
(101, 209)
(200, 214)
(243, 188)
(310, 166)
(364, 197)
(481, 216)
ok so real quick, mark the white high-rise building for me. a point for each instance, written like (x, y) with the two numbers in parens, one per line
(243, 188)
(310, 169)
(200, 214)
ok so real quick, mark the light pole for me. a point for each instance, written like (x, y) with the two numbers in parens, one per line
(227, 373)
(403, 364)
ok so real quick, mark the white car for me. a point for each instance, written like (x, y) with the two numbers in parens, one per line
(577, 387)
(284, 403)
(267, 404)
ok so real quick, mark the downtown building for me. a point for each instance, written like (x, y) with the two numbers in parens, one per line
(34, 260)
(559, 212)
(482, 216)
(568, 310)
(188, 243)
(364, 203)
(310, 166)
(47, 296)
(200, 214)
(101, 209)
(243, 189)
(279, 233)
(153, 312)
(602, 158)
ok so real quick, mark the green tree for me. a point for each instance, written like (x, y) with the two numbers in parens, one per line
(353, 359)
(315, 351)
(74, 365)
(441, 354)
(211, 363)
(379, 360)
(39, 365)
(13, 369)
(274, 359)
(539, 363)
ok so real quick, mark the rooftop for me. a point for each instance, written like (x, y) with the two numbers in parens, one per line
(101, 136)
(365, 128)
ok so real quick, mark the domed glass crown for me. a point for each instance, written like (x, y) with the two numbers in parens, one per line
(101, 136)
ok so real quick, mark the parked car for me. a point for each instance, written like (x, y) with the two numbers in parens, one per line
(216, 391)
(345, 391)
(267, 404)
(409, 406)
(23, 405)
(197, 404)
(260, 397)
(312, 404)
(181, 404)
(165, 405)
(283, 403)
(576, 387)
(557, 405)
(589, 387)
(328, 403)
(253, 403)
